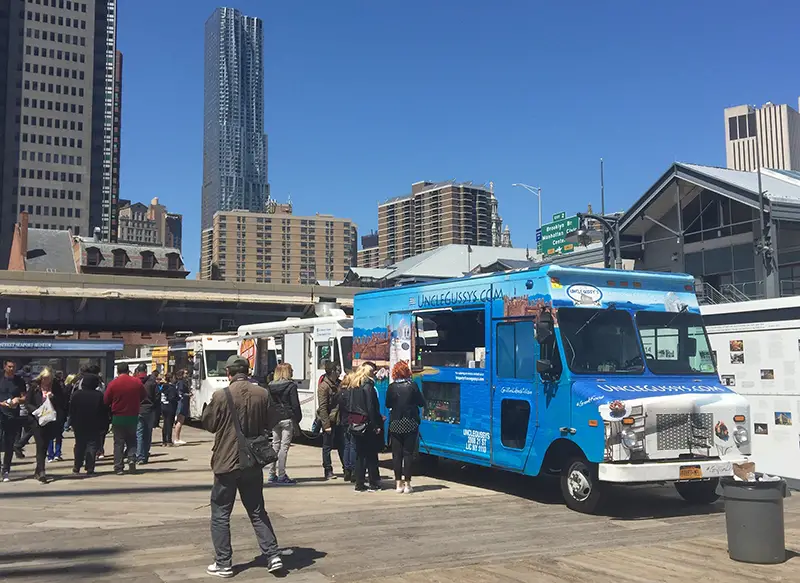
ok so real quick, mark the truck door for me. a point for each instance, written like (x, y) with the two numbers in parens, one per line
(515, 390)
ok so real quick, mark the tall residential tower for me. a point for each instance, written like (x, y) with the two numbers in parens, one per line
(58, 128)
(234, 142)
(771, 131)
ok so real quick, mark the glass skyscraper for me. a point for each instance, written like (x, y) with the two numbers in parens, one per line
(234, 142)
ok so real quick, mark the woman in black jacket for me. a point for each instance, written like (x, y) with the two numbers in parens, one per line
(403, 399)
(283, 392)
(169, 408)
(365, 424)
(43, 387)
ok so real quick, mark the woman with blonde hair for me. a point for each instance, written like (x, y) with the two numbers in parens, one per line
(286, 403)
(44, 387)
(366, 426)
(349, 446)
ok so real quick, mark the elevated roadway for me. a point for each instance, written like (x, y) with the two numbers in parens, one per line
(143, 304)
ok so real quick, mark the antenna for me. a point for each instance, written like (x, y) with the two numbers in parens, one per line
(602, 190)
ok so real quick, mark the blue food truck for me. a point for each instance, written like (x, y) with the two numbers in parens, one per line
(600, 376)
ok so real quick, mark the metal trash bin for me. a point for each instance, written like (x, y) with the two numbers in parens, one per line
(754, 520)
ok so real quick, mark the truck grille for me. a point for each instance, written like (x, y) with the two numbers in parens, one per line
(678, 431)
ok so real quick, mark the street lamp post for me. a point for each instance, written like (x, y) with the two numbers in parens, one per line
(611, 226)
(533, 190)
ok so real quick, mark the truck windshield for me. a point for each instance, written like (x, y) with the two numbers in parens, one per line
(215, 362)
(675, 343)
(599, 341)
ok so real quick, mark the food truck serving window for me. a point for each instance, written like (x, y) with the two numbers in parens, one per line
(451, 338)
(674, 343)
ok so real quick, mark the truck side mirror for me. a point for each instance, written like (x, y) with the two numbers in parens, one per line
(543, 366)
(544, 327)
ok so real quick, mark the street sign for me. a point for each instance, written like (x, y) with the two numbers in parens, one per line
(553, 235)
(538, 235)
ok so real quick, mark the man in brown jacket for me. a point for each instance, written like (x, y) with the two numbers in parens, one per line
(328, 415)
(251, 404)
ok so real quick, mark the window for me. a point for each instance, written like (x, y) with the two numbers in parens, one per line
(173, 262)
(120, 258)
(600, 341)
(442, 402)
(93, 257)
(515, 417)
(450, 339)
(515, 350)
(675, 343)
(148, 260)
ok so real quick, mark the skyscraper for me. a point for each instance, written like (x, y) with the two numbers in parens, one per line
(773, 129)
(437, 214)
(234, 142)
(58, 74)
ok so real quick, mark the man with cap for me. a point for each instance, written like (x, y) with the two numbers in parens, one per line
(251, 404)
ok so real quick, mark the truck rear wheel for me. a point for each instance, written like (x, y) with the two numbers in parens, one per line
(581, 489)
(704, 492)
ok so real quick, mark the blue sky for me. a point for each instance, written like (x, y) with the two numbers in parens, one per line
(364, 97)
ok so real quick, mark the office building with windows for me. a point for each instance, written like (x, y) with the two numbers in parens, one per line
(437, 214)
(277, 247)
(771, 132)
(151, 224)
(59, 74)
(234, 142)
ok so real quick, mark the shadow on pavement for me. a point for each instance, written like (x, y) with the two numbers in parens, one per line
(59, 554)
(45, 492)
(71, 572)
(87, 568)
(299, 559)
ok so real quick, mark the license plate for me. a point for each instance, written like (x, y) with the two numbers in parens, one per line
(691, 473)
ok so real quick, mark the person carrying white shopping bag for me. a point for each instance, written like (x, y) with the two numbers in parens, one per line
(44, 398)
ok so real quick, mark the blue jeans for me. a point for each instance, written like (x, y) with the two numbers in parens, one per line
(349, 462)
(144, 436)
(54, 447)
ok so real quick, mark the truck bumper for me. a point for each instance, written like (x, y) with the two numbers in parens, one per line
(666, 471)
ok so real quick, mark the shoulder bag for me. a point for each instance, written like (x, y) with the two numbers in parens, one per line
(253, 451)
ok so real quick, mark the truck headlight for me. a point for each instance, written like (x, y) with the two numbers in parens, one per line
(741, 435)
(630, 439)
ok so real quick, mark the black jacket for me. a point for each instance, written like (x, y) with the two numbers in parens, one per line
(151, 388)
(285, 400)
(169, 398)
(403, 399)
(88, 414)
(360, 405)
(35, 398)
(11, 388)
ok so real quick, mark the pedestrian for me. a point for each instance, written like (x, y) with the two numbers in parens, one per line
(54, 448)
(328, 416)
(366, 426)
(251, 404)
(70, 384)
(349, 444)
(403, 399)
(94, 369)
(182, 412)
(44, 388)
(124, 396)
(147, 415)
(169, 407)
(12, 399)
(90, 417)
(283, 391)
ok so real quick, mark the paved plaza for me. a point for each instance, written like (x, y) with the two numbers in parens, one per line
(463, 524)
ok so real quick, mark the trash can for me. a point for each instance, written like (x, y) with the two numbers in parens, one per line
(754, 520)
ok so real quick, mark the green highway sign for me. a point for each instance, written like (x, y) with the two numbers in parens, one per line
(553, 237)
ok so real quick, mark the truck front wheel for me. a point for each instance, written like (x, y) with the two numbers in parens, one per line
(580, 487)
(704, 492)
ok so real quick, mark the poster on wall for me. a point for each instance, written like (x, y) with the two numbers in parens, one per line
(767, 374)
(783, 418)
(737, 357)
(400, 343)
(737, 351)
(761, 428)
(729, 380)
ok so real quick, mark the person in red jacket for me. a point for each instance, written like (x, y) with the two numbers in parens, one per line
(124, 396)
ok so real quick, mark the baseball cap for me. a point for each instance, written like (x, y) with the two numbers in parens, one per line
(236, 360)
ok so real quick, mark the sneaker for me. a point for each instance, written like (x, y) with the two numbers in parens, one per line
(374, 487)
(329, 475)
(362, 489)
(42, 479)
(76, 471)
(399, 488)
(285, 480)
(101, 456)
(347, 475)
(217, 571)
(58, 458)
(50, 460)
(272, 479)
(131, 468)
(179, 442)
(5, 477)
(119, 472)
(408, 489)
(274, 564)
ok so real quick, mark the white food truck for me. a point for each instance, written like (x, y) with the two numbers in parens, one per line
(757, 349)
(305, 343)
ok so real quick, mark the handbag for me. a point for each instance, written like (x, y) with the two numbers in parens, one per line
(253, 451)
